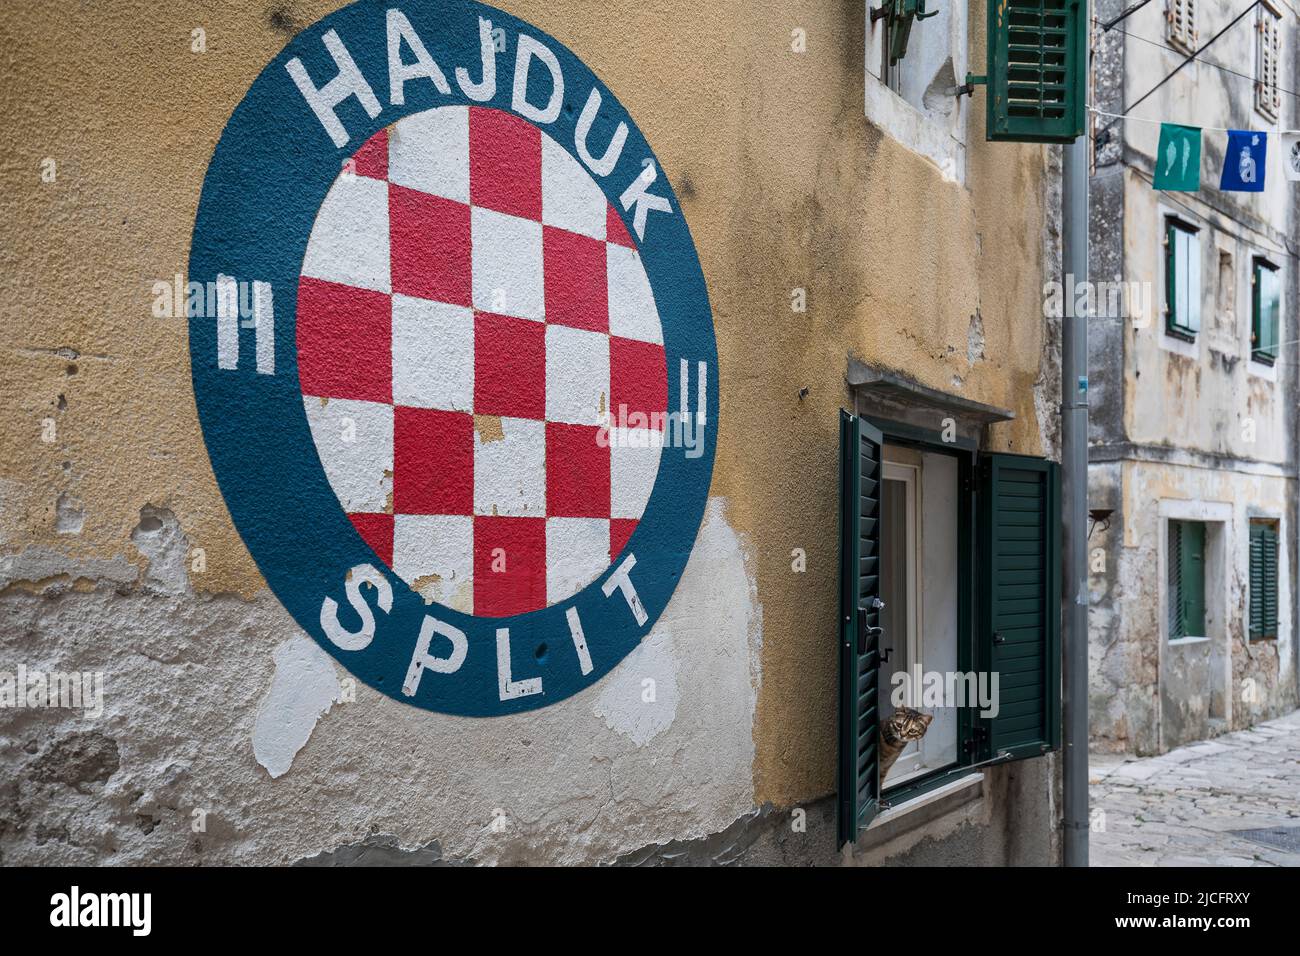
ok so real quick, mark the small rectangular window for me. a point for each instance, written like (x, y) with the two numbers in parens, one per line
(1265, 309)
(1182, 280)
(1268, 53)
(1180, 17)
(1263, 580)
(1186, 589)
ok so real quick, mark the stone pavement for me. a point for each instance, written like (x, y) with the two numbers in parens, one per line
(1181, 808)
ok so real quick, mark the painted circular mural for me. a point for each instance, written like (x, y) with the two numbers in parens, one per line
(453, 355)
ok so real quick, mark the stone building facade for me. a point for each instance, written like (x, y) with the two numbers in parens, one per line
(1193, 425)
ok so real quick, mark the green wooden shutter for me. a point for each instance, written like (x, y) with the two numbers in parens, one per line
(1192, 582)
(859, 770)
(1270, 581)
(1174, 589)
(1020, 632)
(1263, 579)
(1037, 62)
(1256, 579)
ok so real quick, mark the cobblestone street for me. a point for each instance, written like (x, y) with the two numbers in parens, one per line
(1189, 807)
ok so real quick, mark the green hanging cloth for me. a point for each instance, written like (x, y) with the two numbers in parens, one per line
(1178, 158)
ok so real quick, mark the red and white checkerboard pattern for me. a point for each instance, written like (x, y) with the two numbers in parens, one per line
(470, 312)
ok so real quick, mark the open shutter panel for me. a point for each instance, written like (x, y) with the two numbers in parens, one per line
(859, 771)
(1037, 51)
(1192, 583)
(1020, 636)
(1270, 581)
(1257, 532)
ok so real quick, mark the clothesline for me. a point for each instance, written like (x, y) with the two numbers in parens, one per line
(1141, 119)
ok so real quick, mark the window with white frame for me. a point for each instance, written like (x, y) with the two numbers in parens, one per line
(1180, 24)
(1268, 53)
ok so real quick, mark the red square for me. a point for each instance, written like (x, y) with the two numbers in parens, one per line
(638, 380)
(377, 531)
(577, 471)
(620, 532)
(509, 366)
(509, 565)
(344, 341)
(615, 231)
(433, 462)
(577, 292)
(372, 158)
(505, 163)
(429, 246)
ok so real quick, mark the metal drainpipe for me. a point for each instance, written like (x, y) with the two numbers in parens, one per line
(1074, 495)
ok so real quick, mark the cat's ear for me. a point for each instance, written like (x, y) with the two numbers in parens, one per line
(927, 718)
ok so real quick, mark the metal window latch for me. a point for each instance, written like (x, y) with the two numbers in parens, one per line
(967, 88)
(865, 630)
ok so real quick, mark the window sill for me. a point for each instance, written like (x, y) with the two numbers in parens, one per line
(922, 808)
(1185, 641)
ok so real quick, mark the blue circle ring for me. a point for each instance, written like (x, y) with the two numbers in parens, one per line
(268, 177)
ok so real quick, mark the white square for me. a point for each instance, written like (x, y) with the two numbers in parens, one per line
(577, 376)
(349, 241)
(433, 354)
(577, 552)
(509, 467)
(570, 197)
(507, 264)
(355, 443)
(434, 554)
(633, 467)
(632, 312)
(429, 151)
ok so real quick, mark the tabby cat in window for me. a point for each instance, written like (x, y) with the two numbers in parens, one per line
(897, 731)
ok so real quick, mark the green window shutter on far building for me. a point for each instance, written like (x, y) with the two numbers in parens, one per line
(1263, 579)
(1037, 58)
(1186, 591)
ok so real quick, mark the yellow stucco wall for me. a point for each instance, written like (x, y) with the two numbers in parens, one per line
(783, 181)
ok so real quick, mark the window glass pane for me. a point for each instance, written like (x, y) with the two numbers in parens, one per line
(1269, 305)
(1180, 277)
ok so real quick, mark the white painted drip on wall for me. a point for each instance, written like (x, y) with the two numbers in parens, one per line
(639, 700)
(303, 690)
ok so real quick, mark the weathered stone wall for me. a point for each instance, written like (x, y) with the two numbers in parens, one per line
(1196, 430)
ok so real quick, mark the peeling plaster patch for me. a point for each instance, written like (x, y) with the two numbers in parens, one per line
(159, 538)
(640, 699)
(304, 689)
(975, 338)
(489, 428)
(379, 850)
(37, 565)
(69, 515)
(727, 597)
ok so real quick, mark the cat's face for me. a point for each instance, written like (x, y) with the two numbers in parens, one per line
(911, 724)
